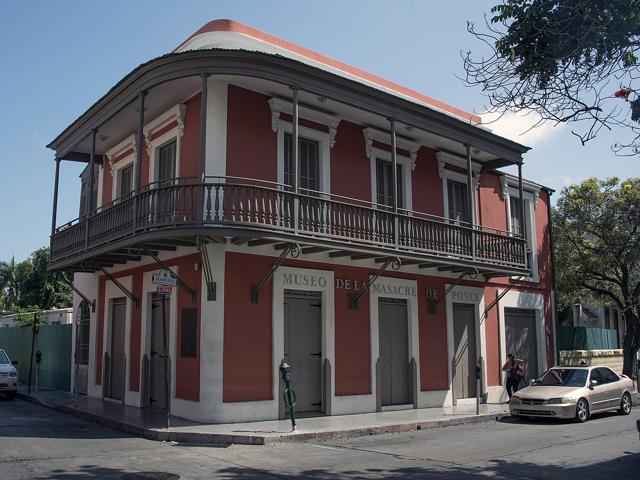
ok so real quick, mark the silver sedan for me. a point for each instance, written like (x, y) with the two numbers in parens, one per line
(574, 392)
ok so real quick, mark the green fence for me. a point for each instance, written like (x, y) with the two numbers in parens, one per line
(54, 341)
(583, 338)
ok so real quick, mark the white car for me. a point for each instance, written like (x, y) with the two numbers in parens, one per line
(8, 376)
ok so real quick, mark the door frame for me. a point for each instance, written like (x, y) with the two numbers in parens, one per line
(307, 280)
(475, 297)
(529, 301)
(405, 289)
(111, 291)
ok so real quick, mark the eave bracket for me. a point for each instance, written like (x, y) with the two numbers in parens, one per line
(92, 303)
(292, 249)
(473, 274)
(395, 263)
(122, 288)
(206, 267)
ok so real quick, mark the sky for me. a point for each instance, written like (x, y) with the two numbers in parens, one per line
(59, 57)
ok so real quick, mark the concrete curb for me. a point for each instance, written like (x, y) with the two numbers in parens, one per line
(248, 439)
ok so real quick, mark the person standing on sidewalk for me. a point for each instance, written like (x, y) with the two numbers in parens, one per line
(515, 373)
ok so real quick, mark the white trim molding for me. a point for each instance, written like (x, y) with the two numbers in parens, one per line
(446, 174)
(118, 149)
(323, 138)
(405, 163)
(474, 296)
(530, 301)
(506, 182)
(530, 199)
(405, 143)
(279, 105)
(388, 287)
(175, 113)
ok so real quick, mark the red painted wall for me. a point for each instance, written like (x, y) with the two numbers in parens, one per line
(135, 343)
(426, 184)
(350, 167)
(190, 141)
(251, 143)
(187, 369)
(492, 208)
(434, 364)
(100, 330)
(247, 330)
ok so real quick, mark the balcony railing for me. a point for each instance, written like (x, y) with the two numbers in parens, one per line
(270, 208)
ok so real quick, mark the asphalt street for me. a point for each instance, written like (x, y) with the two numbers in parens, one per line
(39, 443)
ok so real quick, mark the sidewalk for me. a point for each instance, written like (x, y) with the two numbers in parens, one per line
(149, 423)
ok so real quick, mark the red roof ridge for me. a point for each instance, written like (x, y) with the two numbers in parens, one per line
(226, 25)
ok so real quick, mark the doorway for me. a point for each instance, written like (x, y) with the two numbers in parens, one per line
(465, 353)
(83, 332)
(118, 367)
(393, 335)
(303, 347)
(157, 390)
(521, 338)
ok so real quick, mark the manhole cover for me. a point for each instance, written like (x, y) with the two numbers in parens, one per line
(150, 476)
(29, 419)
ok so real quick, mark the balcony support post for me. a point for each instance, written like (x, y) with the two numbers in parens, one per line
(138, 167)
(296, 160)
(394, 179)
(203, 141)
(471, 202)
(92, 165)
(523, 226)
(54, 212)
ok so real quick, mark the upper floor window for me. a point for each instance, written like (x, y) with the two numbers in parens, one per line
(167, 163)
(85, 205)
(384, 184)
(458, 201)
(126, 181)
(308, 163)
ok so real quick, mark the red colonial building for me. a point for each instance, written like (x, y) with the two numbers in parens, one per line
(307, 211)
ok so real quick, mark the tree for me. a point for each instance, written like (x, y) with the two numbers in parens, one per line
(27, 286)
(10, 284)
(566, 61)
(597, 250)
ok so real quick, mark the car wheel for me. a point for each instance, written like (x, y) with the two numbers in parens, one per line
(582, 410)
(625, 404)
(11, 395)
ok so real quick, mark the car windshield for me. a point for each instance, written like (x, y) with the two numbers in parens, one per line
(564, 377)
(3, 358)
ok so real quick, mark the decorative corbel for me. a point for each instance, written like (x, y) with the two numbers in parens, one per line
(441, 169)
(148, 139)
(504, 191)
(413, 156)
(110, 161)
(275, 120)
(182, 108)
(535, 199)
(368, 146)
(476, 180)
(332, 135)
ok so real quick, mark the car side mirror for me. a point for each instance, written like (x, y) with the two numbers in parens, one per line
(532, 381)
(593, 383)
(14, 362)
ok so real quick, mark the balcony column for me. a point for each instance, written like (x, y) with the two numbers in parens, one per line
(295, 159)
(54, 213)
(470, 200)
(394, 179)
(523, 226)
(92, 164)
(138, 166)
(139, 140)
(203, 144)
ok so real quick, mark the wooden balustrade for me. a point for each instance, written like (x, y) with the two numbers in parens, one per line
(230, 202)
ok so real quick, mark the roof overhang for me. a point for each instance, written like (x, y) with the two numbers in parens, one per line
(289, 72)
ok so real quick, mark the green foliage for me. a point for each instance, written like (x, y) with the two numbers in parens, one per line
(566, 60)
(597, 238)
(27, 286)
